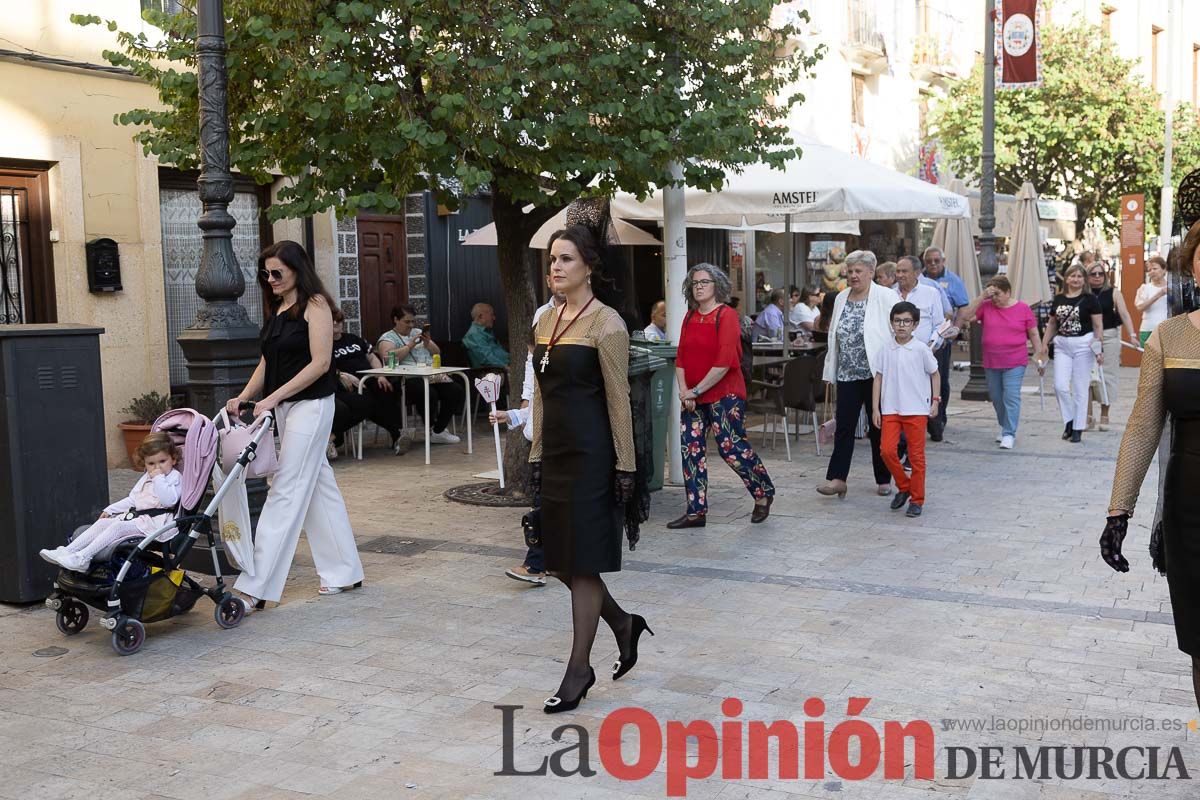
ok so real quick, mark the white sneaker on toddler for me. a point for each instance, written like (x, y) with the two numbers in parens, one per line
(52, 555)
(73, 561)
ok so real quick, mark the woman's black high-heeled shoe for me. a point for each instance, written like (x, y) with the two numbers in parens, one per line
(556, 705)
(636, 627)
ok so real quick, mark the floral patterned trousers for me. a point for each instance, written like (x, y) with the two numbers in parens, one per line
(724, 419)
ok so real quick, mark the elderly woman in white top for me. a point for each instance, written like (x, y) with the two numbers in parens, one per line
(858, 330)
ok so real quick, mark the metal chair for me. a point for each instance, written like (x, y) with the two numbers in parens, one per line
(770, 404)
(801, 388)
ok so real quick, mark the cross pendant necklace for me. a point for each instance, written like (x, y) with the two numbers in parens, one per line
(555, 336)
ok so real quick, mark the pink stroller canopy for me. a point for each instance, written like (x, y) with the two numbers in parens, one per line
(197, 435)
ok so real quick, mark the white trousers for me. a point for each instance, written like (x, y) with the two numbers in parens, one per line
(1073, 360)
(303, 495)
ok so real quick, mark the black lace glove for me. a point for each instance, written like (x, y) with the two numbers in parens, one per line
(1111, 540)
(1158, 553)
(624, 487)
(535, 478)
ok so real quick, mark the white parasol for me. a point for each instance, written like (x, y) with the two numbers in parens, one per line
(1026, 265)
(954, 238)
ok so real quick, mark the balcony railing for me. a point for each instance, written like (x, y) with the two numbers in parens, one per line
(933, 48)
(862, 29)
(865, 47)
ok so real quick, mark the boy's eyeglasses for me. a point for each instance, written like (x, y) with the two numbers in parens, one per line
(905, 323)
(271, 275)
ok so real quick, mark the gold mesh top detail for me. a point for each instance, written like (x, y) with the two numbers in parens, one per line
(1175, 344)
(604, 330)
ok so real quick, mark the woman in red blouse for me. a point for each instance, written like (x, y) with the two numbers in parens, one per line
(712, 396)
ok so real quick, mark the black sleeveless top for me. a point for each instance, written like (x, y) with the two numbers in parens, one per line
(1108, 309)
(285, 348)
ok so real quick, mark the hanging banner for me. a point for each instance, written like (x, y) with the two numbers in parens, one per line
(1018, 44)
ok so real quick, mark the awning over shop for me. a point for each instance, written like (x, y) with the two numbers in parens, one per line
(1056, 217)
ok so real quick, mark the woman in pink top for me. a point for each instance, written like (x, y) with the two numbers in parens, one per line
(1007, 325)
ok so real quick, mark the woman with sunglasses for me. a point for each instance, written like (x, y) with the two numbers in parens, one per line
(295, 379)
(1076, 329)
(1114, 315)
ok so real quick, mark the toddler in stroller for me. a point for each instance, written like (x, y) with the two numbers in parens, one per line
(150, 505)
(137, 577)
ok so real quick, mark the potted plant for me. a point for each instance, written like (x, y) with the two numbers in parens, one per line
(141, 413)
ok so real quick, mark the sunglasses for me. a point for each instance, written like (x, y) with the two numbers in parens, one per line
(271, 275)
(1095, 274)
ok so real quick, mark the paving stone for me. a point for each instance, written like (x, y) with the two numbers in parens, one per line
(994, 604)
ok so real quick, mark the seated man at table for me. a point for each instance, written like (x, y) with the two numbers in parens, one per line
(480, 342)
(656, 331)
(377, 401)
(769, 325)
(414, 348)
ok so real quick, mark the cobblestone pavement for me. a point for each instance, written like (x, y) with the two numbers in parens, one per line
(993, 604)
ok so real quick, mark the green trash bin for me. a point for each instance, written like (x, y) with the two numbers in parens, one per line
(660, 362)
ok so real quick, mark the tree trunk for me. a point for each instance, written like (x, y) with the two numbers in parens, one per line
(514, 229)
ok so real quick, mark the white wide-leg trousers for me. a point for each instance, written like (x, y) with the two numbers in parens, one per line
(303, 495)
(1073, 360)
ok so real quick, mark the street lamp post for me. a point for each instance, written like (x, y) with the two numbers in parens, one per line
(976, 388)
(221, 345)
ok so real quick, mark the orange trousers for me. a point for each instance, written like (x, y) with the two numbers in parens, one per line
(913, 428)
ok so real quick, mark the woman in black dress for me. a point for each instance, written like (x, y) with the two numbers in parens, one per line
(583, 456)
(1168, 388)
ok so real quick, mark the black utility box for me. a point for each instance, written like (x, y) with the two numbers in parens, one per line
(53, 469)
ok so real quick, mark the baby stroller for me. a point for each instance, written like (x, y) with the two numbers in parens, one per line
(139, 580)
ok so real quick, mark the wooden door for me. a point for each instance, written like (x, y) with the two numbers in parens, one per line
(382, 271)
(26, 267)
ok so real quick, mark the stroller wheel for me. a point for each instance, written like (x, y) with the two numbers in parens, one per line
(229, 612)
(129, 637)
(72, 617)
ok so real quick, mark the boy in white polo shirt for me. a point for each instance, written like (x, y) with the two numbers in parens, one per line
(905, 397)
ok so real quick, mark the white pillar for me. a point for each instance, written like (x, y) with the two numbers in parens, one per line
(675, 268)
(1166, 202)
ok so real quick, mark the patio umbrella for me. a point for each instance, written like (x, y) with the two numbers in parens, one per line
(1026, 266)
(823, 185)
(626, 234)
(954, 238)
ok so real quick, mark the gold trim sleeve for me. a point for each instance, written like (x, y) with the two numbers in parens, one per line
(1142, 432)
(535, 449)
(612, 343)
